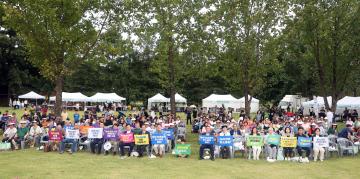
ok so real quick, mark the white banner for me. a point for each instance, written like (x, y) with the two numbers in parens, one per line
(95, 133)
(72, 134)
(321, 142)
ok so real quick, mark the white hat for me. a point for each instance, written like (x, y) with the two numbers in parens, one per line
(11, 123)
(313, 124)
(23, 122)
(300, 122)
(325, 118)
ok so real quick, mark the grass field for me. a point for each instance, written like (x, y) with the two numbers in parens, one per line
(30, 163)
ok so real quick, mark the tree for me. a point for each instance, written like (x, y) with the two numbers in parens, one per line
(59, 34)
(247, 29)
(326, 32)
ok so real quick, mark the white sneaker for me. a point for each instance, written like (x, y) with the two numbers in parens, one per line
(300, 159)
(306, 160)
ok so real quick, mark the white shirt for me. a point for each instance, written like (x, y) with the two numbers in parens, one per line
(329, 116)
(10, 133)
(35, 131)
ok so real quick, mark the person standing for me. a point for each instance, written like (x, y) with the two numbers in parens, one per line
(188, 116)
(330, 116)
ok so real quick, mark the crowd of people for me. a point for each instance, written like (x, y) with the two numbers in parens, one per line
(33, 130)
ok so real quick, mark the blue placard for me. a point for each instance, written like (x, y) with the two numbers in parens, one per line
(225, 141)
(206, 139)
(169, 133)
(304, 141)
(158, 138)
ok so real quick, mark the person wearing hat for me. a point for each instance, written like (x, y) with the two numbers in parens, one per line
(10, 134)
(22, 132)
(311, 131)
(35, 134)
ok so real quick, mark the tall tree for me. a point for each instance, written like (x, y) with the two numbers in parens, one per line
(59, 34)
(246, 29)
(326, 32)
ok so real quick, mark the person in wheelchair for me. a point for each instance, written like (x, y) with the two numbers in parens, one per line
(209, 132)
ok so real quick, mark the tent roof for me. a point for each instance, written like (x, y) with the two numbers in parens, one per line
(349, 101)
(179, 98)
(31, 95)
(72, 97)
(317, 100)
(158, 98)
(217, 97)
(106, 97)
(252, 100)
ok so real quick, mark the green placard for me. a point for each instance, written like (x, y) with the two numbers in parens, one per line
(182, 149)
(273, 139)
(254, 141)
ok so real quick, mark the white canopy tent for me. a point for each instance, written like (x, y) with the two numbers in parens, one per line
(156, 100)
(31, 95)
(317, 103)
(180, 101)
(219, 100)
(254, 104)
(106, 97)
(72, 97)
(348, 102)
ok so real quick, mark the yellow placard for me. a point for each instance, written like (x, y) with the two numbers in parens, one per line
(288, 142)
(141, 139)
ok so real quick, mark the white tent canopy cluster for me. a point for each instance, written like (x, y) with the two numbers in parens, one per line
(229, 101)
(348, 102)
(98, 97)
(159, 100)
(31, 95)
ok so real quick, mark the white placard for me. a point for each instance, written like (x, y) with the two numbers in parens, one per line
(321, 142)
(72, 134)
(95, 133)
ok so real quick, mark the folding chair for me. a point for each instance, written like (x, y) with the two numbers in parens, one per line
(346, 145)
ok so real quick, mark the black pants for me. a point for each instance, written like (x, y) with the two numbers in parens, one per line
(122, 145)
(141, 149)
(288, 151)
(95, 146)
(206, 146)
(187, 120)
(300, 151)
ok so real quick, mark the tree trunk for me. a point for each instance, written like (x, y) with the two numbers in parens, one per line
(321, 73)
(336, 45)
(59, 83)
(171, 77)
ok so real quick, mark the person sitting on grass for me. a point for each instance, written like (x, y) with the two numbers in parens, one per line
(159, 149)
(301, 149)
(209, 132)
(22, 133)
(128, 131)
(73, 142)
(10, 134)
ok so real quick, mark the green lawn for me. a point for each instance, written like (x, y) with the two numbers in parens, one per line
(30, 163)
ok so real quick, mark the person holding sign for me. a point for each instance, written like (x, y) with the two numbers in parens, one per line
(300, 149)
(224, 150)
(97, 139)
(256, 149)
(159, 149)
(126, 139)
(288, 151)
(111, 136)
(318, 149)
(272, 141)
(72, 139)
(207, 145)
(143, 146)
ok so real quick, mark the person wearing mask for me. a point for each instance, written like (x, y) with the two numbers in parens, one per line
(208, 132)
(141, 148)
(123, 143)
(318, 150)
(301, 149)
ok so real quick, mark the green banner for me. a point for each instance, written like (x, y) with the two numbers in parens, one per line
(182, 149)
(254, 141)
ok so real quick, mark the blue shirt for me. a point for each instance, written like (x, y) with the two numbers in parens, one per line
(76, 117)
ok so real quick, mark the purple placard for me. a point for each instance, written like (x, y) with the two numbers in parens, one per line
(111, 134)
